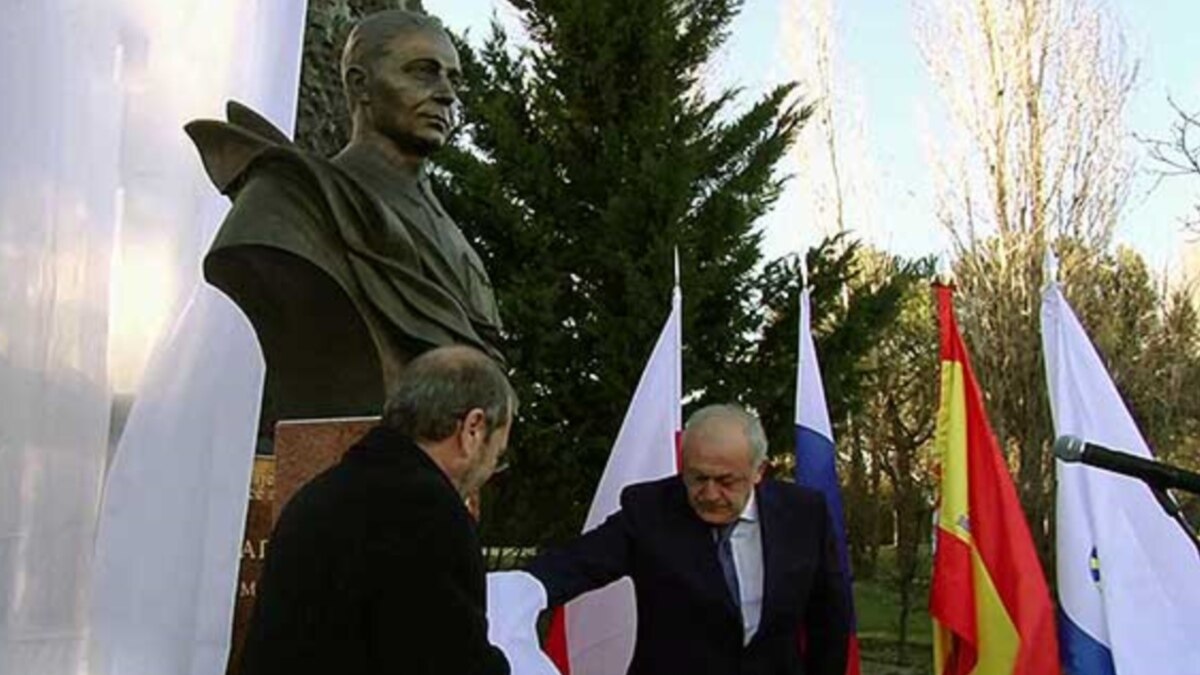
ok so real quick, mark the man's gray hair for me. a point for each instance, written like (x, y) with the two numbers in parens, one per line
(727, 412)
(369, 39)
(436, 389)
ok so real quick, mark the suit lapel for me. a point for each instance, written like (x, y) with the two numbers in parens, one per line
(698, 556)
(774, 554)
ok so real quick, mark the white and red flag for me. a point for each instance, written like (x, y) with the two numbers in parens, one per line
(594, 634)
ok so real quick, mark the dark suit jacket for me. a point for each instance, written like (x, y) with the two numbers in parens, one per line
(374, 567)
(686, 620)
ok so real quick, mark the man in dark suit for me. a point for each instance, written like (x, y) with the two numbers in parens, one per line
(732, 574)
(375, 565)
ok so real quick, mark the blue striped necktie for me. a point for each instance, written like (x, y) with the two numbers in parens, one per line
(725, 557)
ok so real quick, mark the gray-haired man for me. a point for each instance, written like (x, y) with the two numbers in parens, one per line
(374, 565)
(728, 569)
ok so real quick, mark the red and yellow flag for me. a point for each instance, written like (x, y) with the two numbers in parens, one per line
(991, 609)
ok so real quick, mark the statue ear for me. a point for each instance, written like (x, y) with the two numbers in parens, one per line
(356, 85)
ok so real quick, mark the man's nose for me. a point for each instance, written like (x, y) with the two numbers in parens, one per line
(444, 92)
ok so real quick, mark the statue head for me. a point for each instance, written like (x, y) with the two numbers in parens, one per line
(399, 73)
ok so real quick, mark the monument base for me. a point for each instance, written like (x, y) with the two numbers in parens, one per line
(305, 448)
(259, 521)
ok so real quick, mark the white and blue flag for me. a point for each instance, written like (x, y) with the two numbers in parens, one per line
(1128, 577)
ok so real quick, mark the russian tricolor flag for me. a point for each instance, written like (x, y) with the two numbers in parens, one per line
(816, 465)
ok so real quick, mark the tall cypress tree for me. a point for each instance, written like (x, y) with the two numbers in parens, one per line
(585, 157)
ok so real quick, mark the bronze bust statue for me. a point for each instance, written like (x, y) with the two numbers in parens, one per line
(348, 267)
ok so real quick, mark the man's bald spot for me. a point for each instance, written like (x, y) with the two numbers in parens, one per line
(455, 356)
(450, 358)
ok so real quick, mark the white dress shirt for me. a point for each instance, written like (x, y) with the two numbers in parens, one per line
(746, 542)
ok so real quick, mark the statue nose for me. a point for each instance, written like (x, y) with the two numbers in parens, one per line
(444, 93)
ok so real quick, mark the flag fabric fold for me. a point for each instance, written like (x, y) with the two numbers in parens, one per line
(594, 634)
(180, 480)
(169, 534)
(816, 465)
(515, 598)
(1129, 600)
(988, 598)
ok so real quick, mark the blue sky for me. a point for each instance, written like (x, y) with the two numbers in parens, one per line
(878, 52)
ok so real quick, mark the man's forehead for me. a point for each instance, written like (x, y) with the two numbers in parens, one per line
(713, 472)
(423, 44)
(717, 463)
(714, 456)
(717, 435)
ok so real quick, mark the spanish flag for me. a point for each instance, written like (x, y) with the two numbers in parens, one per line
(989, 602)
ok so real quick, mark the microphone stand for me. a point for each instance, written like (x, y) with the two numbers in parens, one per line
(1167, 501)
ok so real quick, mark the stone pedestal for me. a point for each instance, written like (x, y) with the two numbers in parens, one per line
(305, 448)
(259, 521)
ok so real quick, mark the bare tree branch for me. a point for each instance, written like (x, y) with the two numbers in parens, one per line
(1178, 154)
(1032, 152)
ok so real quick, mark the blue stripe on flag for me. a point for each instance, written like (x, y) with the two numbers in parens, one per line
(1080, 653)
(816, 469)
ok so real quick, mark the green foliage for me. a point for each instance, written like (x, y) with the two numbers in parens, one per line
(851, 310)
(585, 159)
(896, 429)
(1146, 336)
(875, 603)
(1149, 338)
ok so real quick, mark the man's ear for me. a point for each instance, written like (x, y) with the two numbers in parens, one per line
(356, 85)
(760, 472)
(474, 428)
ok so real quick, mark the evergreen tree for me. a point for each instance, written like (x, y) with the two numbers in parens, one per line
(585, 158)
(852, 307)
(857, 297)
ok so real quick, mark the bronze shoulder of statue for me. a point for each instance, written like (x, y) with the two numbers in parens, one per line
(348, 267)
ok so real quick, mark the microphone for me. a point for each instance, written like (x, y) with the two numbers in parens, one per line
(1155, 474)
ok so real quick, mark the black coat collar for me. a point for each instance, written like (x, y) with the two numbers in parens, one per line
(388, 446)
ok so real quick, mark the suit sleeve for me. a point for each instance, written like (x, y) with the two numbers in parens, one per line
(430, 588)
(593, 560)
(827, 617)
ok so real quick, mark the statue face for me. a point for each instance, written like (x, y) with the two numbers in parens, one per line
(411, 91)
